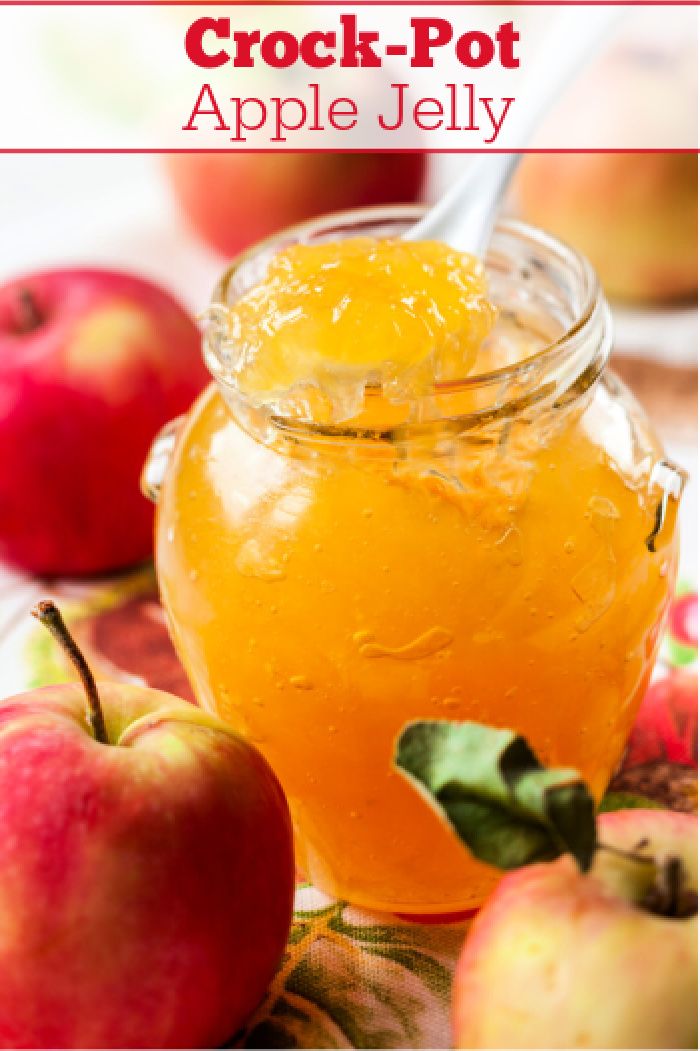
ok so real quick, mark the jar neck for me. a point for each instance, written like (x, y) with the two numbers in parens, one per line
(547, 295)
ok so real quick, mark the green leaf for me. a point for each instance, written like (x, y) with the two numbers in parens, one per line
(499, 799)
(627, 801)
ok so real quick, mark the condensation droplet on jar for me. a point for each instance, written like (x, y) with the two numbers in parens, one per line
(253, 561)
(603, 516)
(360, 637)
(595, 585)
(427, 644)
(511, 546)
(301, 682)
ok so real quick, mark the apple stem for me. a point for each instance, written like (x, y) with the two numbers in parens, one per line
(48, 614)
(667, 896)
(630, 855)
(29, 317)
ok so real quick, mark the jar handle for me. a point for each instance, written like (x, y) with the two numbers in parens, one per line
(158, 458)
(670, 479)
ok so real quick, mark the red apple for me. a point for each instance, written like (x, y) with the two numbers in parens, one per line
(232, 200)
(558, 958)
(146, 870)
(92, 364)
(683, 620)
(666, 727)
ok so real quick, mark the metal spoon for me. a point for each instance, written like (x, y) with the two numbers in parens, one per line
(466, 214)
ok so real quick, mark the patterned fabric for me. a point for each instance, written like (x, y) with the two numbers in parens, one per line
(352, 979)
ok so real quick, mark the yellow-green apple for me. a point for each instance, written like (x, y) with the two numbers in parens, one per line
(232, 200)
(559, 958)
(92, 364)
(146, 869)
(593, 943)
(634, 215)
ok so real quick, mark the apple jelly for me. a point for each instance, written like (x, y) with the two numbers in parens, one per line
(413, 491)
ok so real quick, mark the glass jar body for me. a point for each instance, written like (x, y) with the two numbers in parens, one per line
(321, 598)
(320, 607)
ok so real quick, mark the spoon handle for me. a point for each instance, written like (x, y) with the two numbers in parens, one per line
(465, 216)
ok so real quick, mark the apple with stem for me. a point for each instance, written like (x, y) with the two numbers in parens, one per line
(591, 941)
(146, 868)
(92, 364)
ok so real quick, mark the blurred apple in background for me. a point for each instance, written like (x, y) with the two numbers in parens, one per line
(146, 869)
(92, 364)
(232, 200)
(666, 727)
(634, 215)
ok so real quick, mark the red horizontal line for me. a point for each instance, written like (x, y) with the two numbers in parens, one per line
(346, 3)
(377, 149)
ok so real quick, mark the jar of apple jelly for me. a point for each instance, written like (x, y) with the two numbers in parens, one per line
(499, 546)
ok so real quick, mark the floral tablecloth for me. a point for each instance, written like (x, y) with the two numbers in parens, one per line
(349, 978)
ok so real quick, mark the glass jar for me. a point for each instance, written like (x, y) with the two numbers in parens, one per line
(502, 549)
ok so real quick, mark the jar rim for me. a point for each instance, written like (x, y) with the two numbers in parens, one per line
(592, 309)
